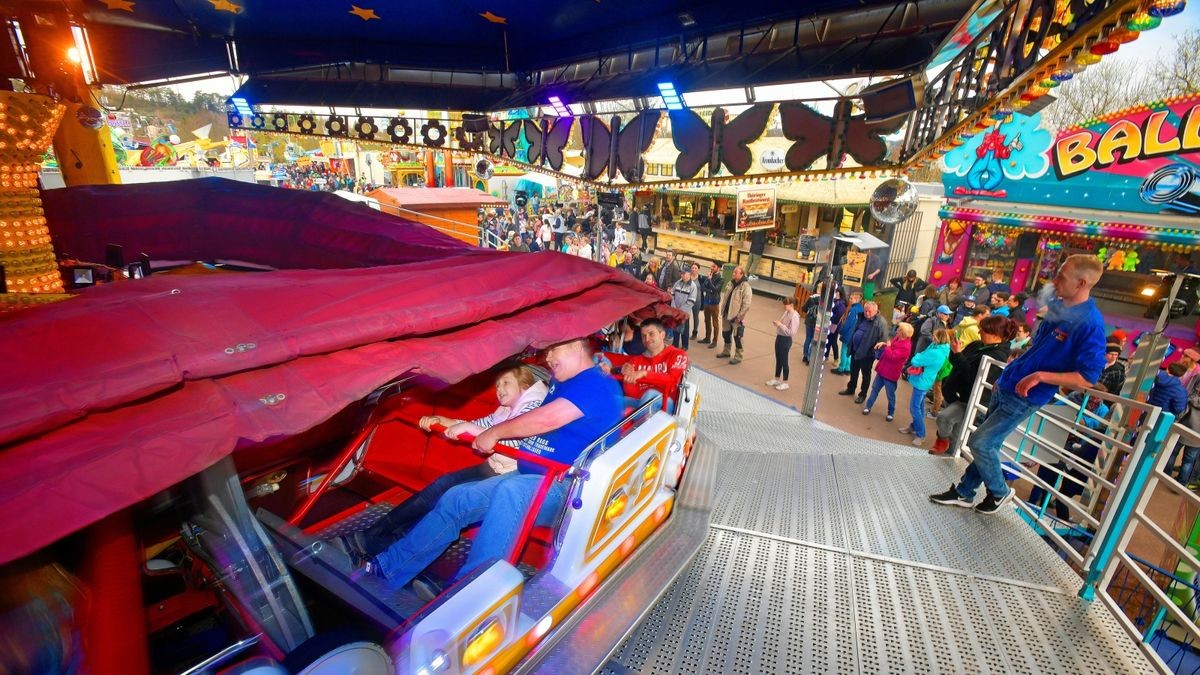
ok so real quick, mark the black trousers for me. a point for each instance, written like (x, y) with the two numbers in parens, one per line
(863, 367)
(783, 345)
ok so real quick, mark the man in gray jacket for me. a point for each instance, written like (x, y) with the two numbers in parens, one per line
(685, 294)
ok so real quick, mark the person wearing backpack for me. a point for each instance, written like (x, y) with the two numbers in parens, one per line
(811, 309)
(922, 373)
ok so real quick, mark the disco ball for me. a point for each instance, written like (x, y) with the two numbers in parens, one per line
(893, 201)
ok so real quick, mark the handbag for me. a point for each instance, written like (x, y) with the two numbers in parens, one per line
(914, 370)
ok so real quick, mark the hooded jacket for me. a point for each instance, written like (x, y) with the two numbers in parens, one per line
(932, 360)
(1168, 393)
(965, 369)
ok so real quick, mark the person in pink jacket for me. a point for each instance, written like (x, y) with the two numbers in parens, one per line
(889, 366)
(786, 328)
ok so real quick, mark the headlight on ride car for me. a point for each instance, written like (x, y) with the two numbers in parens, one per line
(484, 642)
(650, 470)
(616, 504)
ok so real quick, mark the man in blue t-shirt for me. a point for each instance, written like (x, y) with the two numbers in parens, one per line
(1066, 351)
(582, 405)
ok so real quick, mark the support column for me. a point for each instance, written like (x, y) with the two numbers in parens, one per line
(83, 146)
(27, 123)
(448, 164)
(430, 169)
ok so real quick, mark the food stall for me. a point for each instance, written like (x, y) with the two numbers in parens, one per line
(701, 222)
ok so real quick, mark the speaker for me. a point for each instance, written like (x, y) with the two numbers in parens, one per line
(1027, 244)
(474, 123)
(892, 99)
(114, 256)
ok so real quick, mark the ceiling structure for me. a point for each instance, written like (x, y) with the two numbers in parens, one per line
(493, 55)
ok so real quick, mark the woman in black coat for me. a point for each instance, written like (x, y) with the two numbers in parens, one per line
(908, 287)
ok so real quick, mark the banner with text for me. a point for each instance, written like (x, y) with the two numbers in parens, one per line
(1145, 159)
(755, 209)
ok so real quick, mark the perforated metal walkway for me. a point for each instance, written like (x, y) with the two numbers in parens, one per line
(825, 556)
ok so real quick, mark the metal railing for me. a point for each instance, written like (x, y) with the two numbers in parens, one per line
(1074, 458)
(1164, 618)
(1112, 494)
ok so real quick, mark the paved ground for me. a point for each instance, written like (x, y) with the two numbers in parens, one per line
(759, 364)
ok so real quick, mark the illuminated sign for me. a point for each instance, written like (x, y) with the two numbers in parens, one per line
(1145, 159)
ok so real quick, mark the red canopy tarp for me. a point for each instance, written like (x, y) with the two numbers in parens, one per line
(116, 395)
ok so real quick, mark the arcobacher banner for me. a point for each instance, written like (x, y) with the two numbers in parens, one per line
(1145, 159)
(755, 209)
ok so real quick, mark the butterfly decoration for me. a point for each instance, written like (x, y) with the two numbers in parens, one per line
(502, 139)
(814, 135)
(723, 142)
(615, 148)
(547, 140)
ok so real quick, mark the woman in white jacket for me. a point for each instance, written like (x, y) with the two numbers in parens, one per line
(518, 390)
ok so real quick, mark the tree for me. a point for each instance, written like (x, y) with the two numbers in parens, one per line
(1102, 88)
(1182, 71)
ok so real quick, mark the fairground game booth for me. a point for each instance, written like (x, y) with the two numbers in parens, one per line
(1124, 187)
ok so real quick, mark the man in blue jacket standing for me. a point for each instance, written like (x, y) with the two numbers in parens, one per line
(846, 331)
(1067, 351)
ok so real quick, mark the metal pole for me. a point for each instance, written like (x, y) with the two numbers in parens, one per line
(1147, 365)
(812, 388)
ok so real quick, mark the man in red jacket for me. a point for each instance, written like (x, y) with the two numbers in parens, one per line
(654, 373)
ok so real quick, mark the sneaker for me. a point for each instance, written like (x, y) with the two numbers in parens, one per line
(950, 498)
(723, 354)
(858, 400)
(992, 504)
(890, 417)
(918, 441)
(369, 568)
(425, 588)
(772, 382)
(783, 386)
(906, 430)
(940, 446)
(866, 411)
(846, 392)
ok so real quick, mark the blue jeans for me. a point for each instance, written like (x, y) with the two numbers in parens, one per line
(917, 407)
(498, 504)
(650, 395)
(808, 340)
(680, 338)
(1005, 411)
(1186, 466)
(888, 386)
(392, 526)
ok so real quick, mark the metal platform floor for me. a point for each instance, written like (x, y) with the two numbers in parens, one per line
(825, 556)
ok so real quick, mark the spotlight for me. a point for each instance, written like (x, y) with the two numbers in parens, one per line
(242, 106)
(560, 108)
(670, 97)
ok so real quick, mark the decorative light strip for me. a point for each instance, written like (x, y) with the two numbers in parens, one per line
(1064, 61)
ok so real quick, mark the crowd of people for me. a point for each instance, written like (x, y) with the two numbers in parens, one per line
(319, 177)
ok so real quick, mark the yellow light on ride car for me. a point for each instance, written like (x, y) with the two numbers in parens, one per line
(616, 505)
(1149, 291)
(485, 641)
(650, 471)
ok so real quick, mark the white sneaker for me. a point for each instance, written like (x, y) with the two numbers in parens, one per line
(783, 386)
(772, 382)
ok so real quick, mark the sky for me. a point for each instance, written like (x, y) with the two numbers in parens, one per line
(1141, 52)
